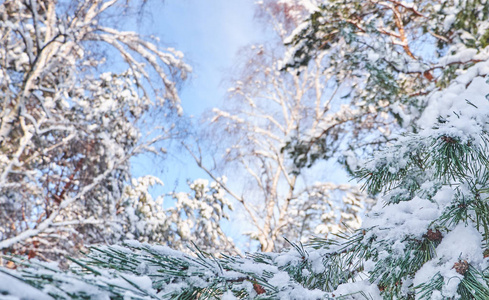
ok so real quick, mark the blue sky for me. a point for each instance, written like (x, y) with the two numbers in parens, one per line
(209, 33)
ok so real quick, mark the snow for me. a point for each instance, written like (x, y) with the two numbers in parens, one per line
(464, 242)
(463, 56)
(301, 294)
(228, 296)
(409, 218)
(280, 280)
(316, 260)
(449, 20)
(455, 100)
(352, 291)
(18, 290)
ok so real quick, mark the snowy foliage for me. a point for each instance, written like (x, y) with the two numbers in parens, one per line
(193, 217)
(69, 124)
(390, 55)
(142, 271)
(428, 237)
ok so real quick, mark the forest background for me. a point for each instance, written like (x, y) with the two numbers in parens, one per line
(335, 82)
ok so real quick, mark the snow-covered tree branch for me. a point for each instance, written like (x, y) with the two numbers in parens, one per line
(69, 124)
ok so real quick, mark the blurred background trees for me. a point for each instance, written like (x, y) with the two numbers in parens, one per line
(76, 94)
(335, 81)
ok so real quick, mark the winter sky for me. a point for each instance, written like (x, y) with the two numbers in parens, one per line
(209, 33)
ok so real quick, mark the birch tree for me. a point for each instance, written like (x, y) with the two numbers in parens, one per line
(267, 110)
